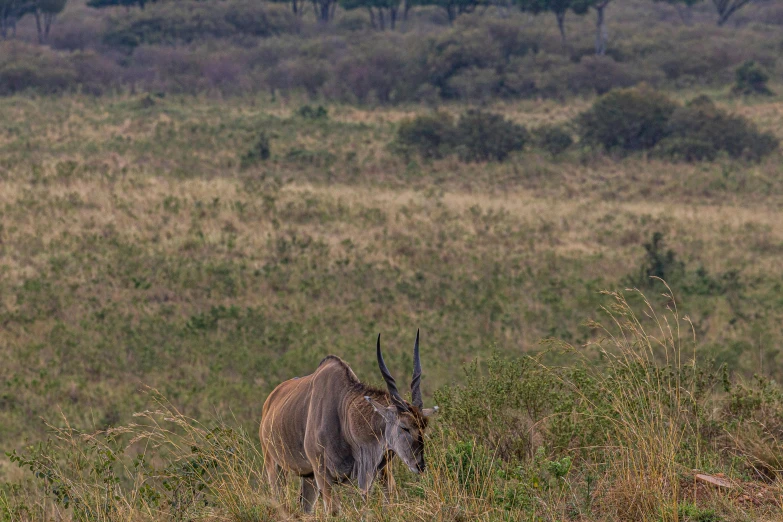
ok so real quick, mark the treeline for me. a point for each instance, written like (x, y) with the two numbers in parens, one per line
(43, 11)
(455, 51)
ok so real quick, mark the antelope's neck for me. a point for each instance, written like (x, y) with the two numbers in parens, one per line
(365, 425)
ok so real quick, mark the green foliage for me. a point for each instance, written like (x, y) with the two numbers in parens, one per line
(260, 151)
(750, 78)
(627, 120)
(641, 119)
(453, 8)
(689, 512)
(659, 263)
(432, 136)
(555, 139)
(24, 67)
(484, 136)
(700, 130)
(309, 112)
(477, 136)
(100, 4)
(470, 463)
(191, 21)
(687, 148)
(380, 11)
(501, 406)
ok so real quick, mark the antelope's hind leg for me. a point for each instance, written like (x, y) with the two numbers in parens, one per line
(308, 494)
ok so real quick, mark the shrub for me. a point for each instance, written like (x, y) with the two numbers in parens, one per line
(376, 70)
(700, 129)
(503, 406)
(686, 149)
(659, 263)
(306, 74)
(309, 112)
(429, 135)
(554, 139)
(627, 119)
(601, 74)
(750, 78)
(457, 50)
(261, 151)
(27, 67)
(483, 136)
(475, 84)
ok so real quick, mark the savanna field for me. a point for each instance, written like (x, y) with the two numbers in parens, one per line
(597, 270)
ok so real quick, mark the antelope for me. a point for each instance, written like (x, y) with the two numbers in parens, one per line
(328, 428)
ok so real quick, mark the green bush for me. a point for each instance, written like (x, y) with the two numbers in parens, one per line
(750, 78)
(686, 149)
(309, 112)
(627, 120)
(260, 151)
(429, 135)
(483, 136)
(554, 139)
(27, 67)
(700, 130)
(499, 407)
(601, 74)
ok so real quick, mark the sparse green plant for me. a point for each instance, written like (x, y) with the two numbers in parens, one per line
(750, 78)
(659, 263)
(260, 151)
(309, 112)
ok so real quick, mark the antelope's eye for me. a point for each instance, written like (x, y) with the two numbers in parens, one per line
(406, 430)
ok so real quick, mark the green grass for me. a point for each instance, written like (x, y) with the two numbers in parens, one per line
(137, 250)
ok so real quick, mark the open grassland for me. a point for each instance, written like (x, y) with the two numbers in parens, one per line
(138, 248)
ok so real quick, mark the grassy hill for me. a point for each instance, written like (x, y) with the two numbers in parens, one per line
(144, 241)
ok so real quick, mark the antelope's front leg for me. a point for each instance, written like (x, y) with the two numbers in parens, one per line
(308, 494)
(366, 478)
(331, 503)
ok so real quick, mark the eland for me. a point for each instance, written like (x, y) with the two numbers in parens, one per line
(328, 428)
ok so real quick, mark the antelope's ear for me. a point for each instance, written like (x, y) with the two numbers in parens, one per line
(388, 413)
(429, 412)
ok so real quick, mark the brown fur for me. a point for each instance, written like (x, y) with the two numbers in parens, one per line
(322, 428)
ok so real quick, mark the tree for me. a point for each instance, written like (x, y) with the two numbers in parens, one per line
(453, 8)
(296, 6)
(45, 12)
(601, 37)
(685, 14)
(726, 8)
(324, 9)
(557, 7)
(380, 11)
(100, 4)
(10, 12)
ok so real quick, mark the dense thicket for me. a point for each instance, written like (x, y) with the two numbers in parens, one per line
(436, 52)
(628, 120)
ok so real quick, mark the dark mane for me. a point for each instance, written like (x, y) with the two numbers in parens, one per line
(356, 385)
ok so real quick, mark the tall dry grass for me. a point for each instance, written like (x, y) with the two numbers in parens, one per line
(646, 405)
